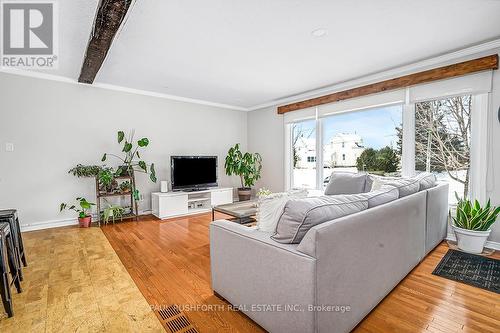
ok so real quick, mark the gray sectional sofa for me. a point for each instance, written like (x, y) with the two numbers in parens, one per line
(329, 277)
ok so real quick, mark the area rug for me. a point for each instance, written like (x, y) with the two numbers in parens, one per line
(470, 269)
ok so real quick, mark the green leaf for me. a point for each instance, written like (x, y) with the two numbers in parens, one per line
(127, 147)
(152, 175)
(121, 136)
(62, 207)
(143, 166)
(143, 142)
(137, 197)
(138, 156)
(103, 157)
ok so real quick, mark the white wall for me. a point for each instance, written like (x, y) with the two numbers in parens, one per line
(265, 135)
(55, 125)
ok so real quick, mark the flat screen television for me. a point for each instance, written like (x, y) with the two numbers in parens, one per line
(193, 173)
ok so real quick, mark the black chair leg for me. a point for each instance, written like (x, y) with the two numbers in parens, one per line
(20, 243)
(15, 271)
(4, 279)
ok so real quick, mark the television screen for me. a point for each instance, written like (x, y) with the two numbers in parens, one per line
(193, 171)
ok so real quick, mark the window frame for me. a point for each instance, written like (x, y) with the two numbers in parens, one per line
(479, 141)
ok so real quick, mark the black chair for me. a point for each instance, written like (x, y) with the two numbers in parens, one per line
(10, 216)
(8, 263)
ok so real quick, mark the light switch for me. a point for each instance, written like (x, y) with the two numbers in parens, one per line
(9, 146)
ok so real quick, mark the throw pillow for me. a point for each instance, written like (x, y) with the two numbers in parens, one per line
(300, 215)
(346, 183)
(270, 207)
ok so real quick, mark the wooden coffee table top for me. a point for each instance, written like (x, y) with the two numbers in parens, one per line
(240, 210)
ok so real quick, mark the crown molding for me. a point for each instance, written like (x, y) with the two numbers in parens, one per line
(51, 77)
(385, 75)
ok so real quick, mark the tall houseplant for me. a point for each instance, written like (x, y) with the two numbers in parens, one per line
(247, 166)
(131, 161)
(84, 219)
(472, 224)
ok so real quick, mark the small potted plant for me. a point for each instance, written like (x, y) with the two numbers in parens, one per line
(84, 219)
(472, 224)
(247, 166)
(107, 181)
(125, 187)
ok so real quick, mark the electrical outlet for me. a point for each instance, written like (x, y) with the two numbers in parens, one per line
(9, 147)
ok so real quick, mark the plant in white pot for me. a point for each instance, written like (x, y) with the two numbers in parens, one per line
(472, 224)
(247, 166)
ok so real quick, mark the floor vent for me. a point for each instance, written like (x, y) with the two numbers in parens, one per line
(175, 321)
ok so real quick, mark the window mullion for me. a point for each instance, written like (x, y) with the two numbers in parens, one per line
(319, 153)
(408, 153)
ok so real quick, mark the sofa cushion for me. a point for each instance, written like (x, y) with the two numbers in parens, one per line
(427, 180)
(405, 186)
(346, 183)
(300, 215)
(270, 207)
(385, 194)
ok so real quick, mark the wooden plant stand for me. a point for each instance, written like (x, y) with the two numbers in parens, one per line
(134, 213)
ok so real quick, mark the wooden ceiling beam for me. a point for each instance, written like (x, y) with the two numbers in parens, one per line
(445, 72)
(110, 15)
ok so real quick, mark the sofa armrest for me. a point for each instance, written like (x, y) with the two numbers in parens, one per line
(437, 216)
(250, 269)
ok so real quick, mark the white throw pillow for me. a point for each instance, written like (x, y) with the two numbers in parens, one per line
(270, 207)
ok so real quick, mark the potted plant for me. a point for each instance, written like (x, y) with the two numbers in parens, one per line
(85, 170)
(84, 219)
(132, 161)
(107, 181)
(472, 224)
(112, 212)
(125, 187)
(247, 166)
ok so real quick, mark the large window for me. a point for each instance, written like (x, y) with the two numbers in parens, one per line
(442, 141)
(304, 154)
(442, 127)
(368, 140)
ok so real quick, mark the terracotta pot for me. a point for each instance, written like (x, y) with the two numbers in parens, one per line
(85, 222)
(244, 194)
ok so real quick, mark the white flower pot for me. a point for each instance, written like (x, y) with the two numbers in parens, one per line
(471, 241)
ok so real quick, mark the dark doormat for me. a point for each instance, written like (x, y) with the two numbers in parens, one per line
(470, 269)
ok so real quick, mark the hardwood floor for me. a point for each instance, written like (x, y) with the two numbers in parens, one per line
(170, 263)
(75, 282)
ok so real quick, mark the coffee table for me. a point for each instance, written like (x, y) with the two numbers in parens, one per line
(242, 212)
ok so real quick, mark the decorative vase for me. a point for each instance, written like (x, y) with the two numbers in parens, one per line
(244, 194)
(85, 222)
(471, 241)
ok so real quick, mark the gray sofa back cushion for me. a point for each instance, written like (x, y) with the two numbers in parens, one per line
(300, 215)
(346, 183)
(385, 194)
(405, 186)
(427, 180)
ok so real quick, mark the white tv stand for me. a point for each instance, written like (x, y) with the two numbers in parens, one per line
(171, 204)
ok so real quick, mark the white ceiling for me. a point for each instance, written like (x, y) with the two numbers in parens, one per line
(248, 53)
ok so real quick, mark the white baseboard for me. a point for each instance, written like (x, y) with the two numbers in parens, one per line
(48, 224)
(61, 223)
(489, 244)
